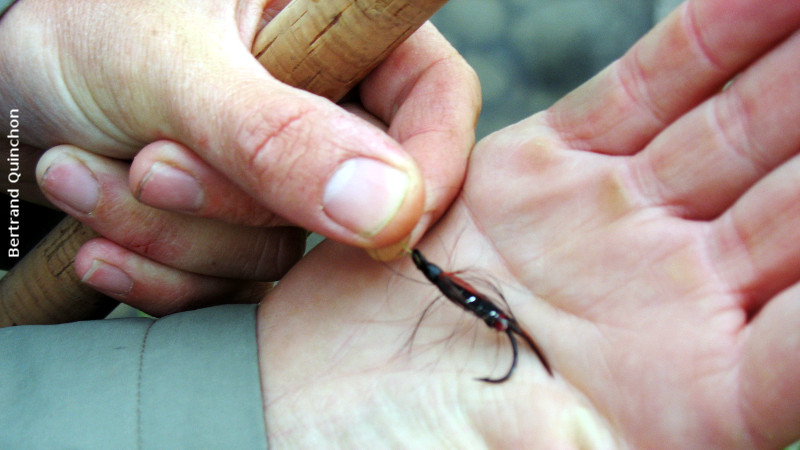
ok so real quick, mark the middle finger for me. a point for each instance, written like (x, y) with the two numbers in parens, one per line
(703, 162)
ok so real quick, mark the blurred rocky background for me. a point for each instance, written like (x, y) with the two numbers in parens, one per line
(529, 53)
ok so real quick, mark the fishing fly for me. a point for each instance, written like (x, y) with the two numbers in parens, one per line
(464, 295)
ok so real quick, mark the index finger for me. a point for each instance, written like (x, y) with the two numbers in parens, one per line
(430, 98)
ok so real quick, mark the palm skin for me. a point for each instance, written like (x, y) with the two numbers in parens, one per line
(649, 249)
(651, 347)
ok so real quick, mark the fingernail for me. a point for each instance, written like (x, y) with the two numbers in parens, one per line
(364, 195)
(108, 278)
(167, 187)
(71, 182)
(391, 252)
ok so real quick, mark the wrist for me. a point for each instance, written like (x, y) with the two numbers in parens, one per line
(325, 349)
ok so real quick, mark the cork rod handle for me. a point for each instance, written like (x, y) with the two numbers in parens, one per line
(323, 46)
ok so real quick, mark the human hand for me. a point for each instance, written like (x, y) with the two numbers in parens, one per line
(229, 128)
(644, 230)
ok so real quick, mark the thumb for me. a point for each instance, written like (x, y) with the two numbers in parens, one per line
(299, 155)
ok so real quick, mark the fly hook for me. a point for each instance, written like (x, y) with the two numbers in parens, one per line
(463, 294)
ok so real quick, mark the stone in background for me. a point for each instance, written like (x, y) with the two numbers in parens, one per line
(529, 53)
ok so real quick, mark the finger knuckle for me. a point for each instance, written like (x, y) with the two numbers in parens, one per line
(270, 141)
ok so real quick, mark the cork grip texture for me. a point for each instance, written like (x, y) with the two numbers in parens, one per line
(323, 46)
(352, 36)
(43, 287)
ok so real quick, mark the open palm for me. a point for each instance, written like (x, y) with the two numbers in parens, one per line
(645, 230)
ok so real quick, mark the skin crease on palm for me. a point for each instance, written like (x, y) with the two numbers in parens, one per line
(646, 245)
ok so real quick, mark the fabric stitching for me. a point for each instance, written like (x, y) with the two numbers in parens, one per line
(139, 437)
